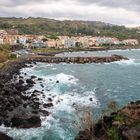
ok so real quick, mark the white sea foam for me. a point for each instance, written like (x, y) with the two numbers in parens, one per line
(127, 62)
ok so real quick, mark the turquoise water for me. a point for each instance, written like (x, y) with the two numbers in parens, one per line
(81, 88)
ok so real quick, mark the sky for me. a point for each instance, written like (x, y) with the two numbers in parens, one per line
(120, 12)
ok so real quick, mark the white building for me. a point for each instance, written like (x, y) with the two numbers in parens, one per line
(70, 43)
(1, 41)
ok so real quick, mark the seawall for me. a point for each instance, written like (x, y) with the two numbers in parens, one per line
(82, 60)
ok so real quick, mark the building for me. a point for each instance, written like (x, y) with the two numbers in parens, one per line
(1, 41)
(70, 43)
(38, 44)
(51, 43)
(132, 42)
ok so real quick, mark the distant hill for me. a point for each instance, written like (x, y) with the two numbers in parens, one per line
(47, 26)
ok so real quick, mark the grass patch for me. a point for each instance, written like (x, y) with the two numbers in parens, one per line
(47, 50)
(5, 53)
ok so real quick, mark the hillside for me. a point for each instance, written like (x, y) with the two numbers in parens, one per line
(50, 26)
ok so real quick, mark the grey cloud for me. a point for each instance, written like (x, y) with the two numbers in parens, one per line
(23, 2)
(133, 5)
(15, 3)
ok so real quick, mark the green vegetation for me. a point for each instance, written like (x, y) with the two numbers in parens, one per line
(1, 65)
(12, 56)
(44, 26)
(5, 54)
(52, 36)
(113, 134)
(49, 50)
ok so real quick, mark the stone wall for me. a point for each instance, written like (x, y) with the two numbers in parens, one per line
(82, 60)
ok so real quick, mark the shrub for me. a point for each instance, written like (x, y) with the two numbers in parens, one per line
(113, 134)
(3, 56)
(13, 56)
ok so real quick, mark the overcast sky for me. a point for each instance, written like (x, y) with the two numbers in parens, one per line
(122, 12)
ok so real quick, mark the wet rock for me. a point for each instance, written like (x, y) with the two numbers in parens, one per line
(33, 95)
(42, 85)
(43, 96)
(84, 135)
(30, 81)
(5, 137)
(21, 82)
(21, 77)
(33, 77)
(7, 123)
(18, 99)
(50, 99)
(48, 105)
(36, 91)
(25, 105)
(39, 79)
(44, 112)
(91, 99)
(26, 121)
(35, 99)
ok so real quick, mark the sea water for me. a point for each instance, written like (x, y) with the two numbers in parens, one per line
(80, 88)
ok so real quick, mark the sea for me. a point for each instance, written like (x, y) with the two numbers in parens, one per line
(80, 91)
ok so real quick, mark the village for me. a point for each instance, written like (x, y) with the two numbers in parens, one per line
(12, 37)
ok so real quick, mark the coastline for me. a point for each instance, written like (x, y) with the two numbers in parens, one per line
(13, 92)
(13, 87)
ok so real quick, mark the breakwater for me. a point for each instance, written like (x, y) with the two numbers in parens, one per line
(82, 60)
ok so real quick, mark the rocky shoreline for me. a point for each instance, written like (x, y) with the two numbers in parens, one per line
(17, 108)
(121, 125)
(21, 109)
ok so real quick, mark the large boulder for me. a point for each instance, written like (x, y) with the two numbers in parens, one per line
(26, 121)
(132, 110)
(30, 81)
(5, 137)
(33, 77)
(48, 105)
(131, 134)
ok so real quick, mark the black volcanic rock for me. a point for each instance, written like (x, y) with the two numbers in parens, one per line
(48, 105)
(44, 112)
(26, 121)
(30, 81)
(5, 137)
(33, 77)
(39, 79)
(50, 99)
(21, 82)
(120, 125)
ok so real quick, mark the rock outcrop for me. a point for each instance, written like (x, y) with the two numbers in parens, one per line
(121, 125)
(5, 137)
(26, 121)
